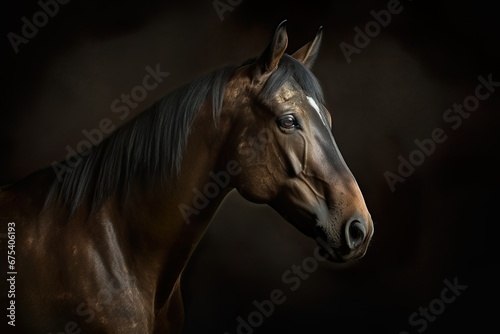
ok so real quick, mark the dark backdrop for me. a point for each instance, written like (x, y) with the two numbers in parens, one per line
(435, 229)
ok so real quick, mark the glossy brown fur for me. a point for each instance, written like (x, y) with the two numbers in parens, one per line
(117, 269)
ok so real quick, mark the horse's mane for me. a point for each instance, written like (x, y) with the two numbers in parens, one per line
(149, 149)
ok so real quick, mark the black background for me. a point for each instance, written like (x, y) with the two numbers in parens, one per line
(440, 224)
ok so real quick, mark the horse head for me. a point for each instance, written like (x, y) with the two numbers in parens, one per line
(282, 138)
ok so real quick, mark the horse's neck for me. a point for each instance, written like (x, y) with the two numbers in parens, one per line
(172, 219)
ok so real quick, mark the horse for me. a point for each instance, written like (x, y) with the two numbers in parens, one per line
(101, 246)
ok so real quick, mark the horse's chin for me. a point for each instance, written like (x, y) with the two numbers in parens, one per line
(328, 249)
(306, 221)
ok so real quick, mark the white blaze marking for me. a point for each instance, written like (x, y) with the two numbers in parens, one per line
(313, 103)
(316, 107)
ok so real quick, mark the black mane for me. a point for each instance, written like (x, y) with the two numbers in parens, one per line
(148, 149)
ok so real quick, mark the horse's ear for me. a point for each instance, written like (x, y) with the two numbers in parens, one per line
(270, 58)
(309, 52)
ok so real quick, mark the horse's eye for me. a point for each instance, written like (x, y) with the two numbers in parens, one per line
(287, 122)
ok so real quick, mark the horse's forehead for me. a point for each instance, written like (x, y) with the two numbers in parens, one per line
(290, 90)
(287, 91)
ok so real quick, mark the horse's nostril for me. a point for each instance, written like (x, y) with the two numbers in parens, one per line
(355, 234)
